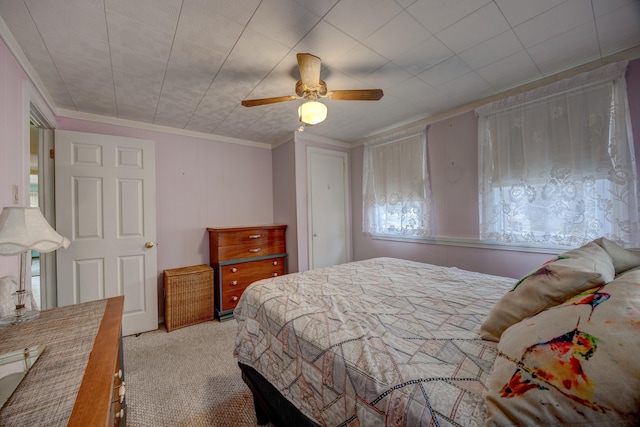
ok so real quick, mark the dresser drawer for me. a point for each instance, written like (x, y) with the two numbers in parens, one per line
(250, 237)
(226, 253)
(241, 275)
(227, 244)
(236, 277)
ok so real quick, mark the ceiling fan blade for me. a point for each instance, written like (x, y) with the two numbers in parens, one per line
(265, 101)
(309, 66)
(355, 95)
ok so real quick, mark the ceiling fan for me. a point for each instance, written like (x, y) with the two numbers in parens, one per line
(310, 87)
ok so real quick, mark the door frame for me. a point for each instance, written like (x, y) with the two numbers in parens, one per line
(46, 200)
(347, 200)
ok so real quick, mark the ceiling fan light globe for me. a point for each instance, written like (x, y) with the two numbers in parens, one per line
(312, 112)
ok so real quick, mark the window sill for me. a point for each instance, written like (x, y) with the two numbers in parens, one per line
(474, 243)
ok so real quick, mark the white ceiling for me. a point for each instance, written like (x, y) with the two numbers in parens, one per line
(188, 64)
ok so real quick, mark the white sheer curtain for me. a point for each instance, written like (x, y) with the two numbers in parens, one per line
(557, 164)
(396, 191)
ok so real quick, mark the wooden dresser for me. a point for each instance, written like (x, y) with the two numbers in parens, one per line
(240, 256)
(77, 379)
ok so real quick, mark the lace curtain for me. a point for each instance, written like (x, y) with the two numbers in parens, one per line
(396, 191)
(557, 164)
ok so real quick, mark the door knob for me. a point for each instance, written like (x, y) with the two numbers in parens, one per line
(149, 245)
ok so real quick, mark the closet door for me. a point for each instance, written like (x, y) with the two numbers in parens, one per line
(329, 231)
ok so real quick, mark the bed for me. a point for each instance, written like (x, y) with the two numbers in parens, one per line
(391, 342)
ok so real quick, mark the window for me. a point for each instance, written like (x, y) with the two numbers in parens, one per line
(557, 165)
(396, 192)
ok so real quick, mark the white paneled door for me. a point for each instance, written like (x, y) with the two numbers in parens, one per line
(105, 204)
(329, 231)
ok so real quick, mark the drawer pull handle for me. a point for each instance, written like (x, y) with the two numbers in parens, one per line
(254, 236)
(234, 282)
(275, 263)
(234, 298)
(120, 413)
(118, 374)
(233, 269)
(253, 251)
(121, 393)
(275, 274)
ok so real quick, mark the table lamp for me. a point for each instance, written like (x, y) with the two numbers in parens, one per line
(21, 230)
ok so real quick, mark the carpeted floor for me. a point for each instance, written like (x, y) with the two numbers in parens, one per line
(187, 377)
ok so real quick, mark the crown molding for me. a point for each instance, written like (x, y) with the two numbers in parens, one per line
(157, 128)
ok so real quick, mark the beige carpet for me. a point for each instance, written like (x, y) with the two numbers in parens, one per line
(187, 377)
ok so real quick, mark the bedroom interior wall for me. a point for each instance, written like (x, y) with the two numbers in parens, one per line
(13, 137)
(200, 183)
(453, 168)
(284, 198)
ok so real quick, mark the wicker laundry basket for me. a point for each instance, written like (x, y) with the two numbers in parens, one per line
(188, 296)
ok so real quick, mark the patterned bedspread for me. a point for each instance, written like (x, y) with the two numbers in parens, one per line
(376, 342)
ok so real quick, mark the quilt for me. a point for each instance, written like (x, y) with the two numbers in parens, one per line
(384, 342)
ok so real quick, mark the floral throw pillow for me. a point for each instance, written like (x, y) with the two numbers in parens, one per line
(571, 273)
(573, 364)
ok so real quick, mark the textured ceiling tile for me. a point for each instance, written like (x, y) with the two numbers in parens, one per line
(518, 12)
(71, 45)
(361, 18)
(255, 54)
(192, 66)
(479, 26)
(75, 69)
(445, 71)
(284, 21)
(360, 61)
(509, 72)
(604, 7)
(436, 15)
(564, 50)
(416, 92)
(397, 36)
(136, 84)
(93, 98)
(201, 25)
(134, 106)
(387, 75)
(492, 50)
(467, 88)
(159, 14)
(138, 37)
(555, 21)
(619, 29)
(424, 56)
(319, 7)
(78, 16)
(124, 59)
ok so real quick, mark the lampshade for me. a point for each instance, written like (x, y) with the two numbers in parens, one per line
(23, 229)
(312, 112)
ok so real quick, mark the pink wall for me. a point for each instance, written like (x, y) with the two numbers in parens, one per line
(199, 183)
(452, 151)
(14, 137)
(284, 198)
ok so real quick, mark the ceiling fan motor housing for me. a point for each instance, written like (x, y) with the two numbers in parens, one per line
(305, 91)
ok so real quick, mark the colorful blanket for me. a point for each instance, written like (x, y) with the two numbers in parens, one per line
(376, 342)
